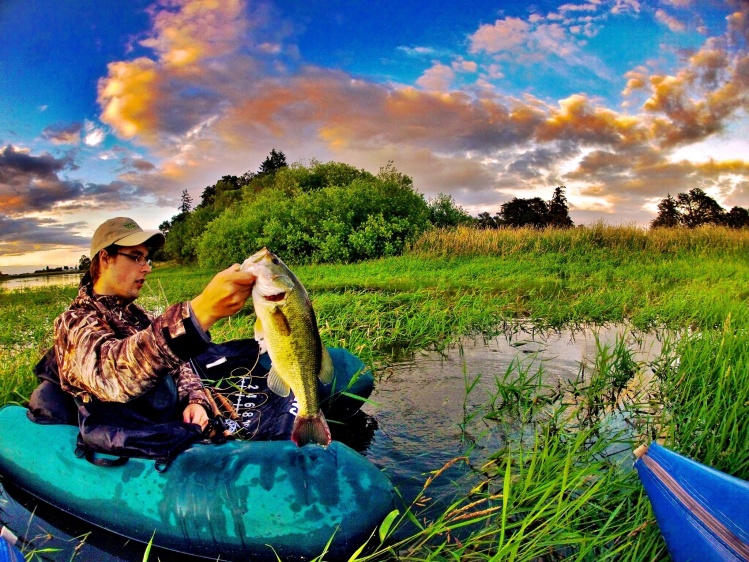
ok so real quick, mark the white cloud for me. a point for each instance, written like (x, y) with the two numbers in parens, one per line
(438, 78)
(673, 24)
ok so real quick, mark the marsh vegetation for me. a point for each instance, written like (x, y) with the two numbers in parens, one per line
(559, 483)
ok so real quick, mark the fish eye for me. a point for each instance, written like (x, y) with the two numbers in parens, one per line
(276, 261)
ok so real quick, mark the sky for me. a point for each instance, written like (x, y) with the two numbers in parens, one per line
(111, 108)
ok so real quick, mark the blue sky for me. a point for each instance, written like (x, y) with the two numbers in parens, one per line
(111, 108)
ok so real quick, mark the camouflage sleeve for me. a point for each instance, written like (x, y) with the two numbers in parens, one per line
(190, 386)
(93, 360)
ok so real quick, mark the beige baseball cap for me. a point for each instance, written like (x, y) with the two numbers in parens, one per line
(124, 232)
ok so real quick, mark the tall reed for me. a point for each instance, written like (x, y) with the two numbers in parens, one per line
(465, 241)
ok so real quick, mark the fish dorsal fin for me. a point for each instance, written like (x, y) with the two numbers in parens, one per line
(326, 366)
(277, 384)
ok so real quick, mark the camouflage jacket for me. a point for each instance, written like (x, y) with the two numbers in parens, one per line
(110, 348)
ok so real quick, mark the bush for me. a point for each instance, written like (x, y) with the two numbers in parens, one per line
(320, 220)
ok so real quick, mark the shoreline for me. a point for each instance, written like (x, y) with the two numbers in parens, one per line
(51, 273)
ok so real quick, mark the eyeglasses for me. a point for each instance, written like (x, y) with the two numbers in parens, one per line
(139, 259)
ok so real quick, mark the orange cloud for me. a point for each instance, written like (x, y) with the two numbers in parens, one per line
(188, 38)
(195, 30)
(576, 118)
(127, 97)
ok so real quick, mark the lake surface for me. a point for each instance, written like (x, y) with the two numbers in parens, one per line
(40, 281)
(417, 422)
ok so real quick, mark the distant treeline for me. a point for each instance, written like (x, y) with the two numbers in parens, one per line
(333, 212)
(697, 208)
(47, 271)
(326, 212)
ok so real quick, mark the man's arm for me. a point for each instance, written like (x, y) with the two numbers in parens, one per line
(95, 360)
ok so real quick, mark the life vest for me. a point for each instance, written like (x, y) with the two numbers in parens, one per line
(150, 425)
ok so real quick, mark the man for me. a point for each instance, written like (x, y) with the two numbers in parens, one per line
(110, 351)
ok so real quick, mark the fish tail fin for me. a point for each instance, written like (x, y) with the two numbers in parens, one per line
(311, 429)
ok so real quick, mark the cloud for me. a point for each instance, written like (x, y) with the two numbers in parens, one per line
(63, 133)
(672, 22)
(504, 35)
(438, 78)
(17, 166)
(196, 45)
(554, 42)
(197, 104)
(586, 7)
(72, 133)
(24, 235)
(418, 51)
(625, 7)
(32, 184)
(93, 135)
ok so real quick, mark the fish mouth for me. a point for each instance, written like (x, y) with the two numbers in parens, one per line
(275, 298)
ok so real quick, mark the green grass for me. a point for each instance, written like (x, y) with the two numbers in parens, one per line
(557, 489)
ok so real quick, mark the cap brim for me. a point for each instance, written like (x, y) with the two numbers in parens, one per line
(151, 238)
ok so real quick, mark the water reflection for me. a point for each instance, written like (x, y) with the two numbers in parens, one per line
(40, 281)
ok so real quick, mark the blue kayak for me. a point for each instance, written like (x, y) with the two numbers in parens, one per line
(8, 552)
(702, 513)
(239, 500)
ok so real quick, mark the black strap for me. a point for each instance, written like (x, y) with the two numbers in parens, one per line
(90, 456)
(160, 464)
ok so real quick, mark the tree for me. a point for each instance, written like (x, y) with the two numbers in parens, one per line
(737, 217)
(444, 212)
(698, 208)
(668, 214)
(272, 163)
(186, 205)
(207, 197)
(226, 192)
(525, 212)
(485, 220)
(165, 227)
(84, 263)
(390, 174)
(558, 215)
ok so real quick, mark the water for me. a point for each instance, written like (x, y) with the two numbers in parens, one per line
(425, 419)
(40, 281)
(418, 420)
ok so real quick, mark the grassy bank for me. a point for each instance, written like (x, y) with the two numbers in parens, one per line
(555, 491)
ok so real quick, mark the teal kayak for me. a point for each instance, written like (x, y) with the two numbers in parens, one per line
(235, 501)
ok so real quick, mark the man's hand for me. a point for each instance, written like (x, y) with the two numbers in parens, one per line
(195, 413)
(224, 295)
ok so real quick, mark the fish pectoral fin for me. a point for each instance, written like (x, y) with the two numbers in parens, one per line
(260, 336)
(326, 367)
(280, 323)
(277, 384)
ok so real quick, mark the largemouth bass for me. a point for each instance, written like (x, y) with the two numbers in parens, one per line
(286, 327)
